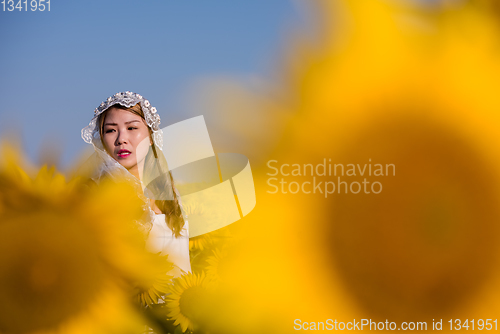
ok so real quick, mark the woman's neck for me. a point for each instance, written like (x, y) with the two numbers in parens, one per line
(135, 171)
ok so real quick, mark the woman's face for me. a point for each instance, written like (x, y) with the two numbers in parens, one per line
(122, 133)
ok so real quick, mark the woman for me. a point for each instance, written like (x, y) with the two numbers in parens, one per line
(128, 144)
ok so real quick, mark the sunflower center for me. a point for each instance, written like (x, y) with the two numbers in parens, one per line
(192, 301)
(51, 271)
(44, 275)
(415, 247)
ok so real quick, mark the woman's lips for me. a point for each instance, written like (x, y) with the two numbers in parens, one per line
(123, 153)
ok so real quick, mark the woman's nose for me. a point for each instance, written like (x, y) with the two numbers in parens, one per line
(121, 138)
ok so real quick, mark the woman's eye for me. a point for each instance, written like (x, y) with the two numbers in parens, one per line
(131, 128)
(109, 130)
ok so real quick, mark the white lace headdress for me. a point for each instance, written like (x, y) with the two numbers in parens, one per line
(105, 165)
(127, 99)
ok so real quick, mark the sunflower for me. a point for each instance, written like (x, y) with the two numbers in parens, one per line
(50, 271)
(202, 248)
(188, 300)
(219, 265)
(152, 290)
(208, 241)
(64, 255)
(410, 86)
(199, 211)
(488, 5)
(400, 254)
(201, 242)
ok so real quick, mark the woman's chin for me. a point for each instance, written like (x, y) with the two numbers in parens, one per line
(128, 164)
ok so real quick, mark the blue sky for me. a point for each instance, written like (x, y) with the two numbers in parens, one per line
(56, 67)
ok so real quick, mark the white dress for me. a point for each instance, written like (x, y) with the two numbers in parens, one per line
(161, 240)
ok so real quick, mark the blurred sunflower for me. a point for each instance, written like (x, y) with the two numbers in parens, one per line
(201, 242)
(62, 250)
(414, 90)
(188, 301)
(383, 83)
(49, 271)
(153, 289)
(219, 265)
(488, 5)
(209, 241)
